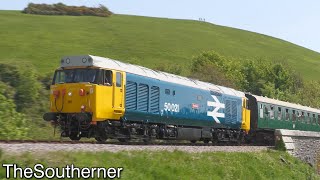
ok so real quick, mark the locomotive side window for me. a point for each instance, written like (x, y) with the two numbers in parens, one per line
(167, 91)
(107, 78)
(59, 77)
(247, 104)
(279, 113)
(119, 79)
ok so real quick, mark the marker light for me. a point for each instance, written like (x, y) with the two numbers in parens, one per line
(82, 92)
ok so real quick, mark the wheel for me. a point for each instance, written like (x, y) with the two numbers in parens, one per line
(123, 140)
(74, 136)
(146, 141)
(206, 141)
(100, 139)
(193, 141)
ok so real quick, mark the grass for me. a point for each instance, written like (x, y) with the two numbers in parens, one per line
(177, 164)
(43, 40)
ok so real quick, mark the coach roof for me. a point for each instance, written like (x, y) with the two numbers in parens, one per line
(89, 60)
(286, 104)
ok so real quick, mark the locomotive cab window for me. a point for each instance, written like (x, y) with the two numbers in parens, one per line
(107, 78)
(76, 76)
(119, 79)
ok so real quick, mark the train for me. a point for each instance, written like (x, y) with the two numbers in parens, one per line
(102, 98)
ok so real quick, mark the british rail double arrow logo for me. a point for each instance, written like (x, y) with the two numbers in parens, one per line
(217, 105)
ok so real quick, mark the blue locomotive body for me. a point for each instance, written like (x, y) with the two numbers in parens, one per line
(155, 101)
(124, 101)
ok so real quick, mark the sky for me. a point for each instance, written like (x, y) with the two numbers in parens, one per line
(293, 20)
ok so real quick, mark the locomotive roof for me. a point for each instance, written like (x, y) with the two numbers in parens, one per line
(286, 104)
(89, 60)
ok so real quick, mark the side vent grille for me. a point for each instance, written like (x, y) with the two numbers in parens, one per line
(143, 98)
(228, 112)
(231, 112)
(234, 112)
(131, 95)
(154, 100)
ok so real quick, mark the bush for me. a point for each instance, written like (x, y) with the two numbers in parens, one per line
(24, 81)
(13, 125)
(62, 9)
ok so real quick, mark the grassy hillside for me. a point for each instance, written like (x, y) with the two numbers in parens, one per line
(42, 40)
(177, 165)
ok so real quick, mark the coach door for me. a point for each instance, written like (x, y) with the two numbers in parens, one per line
(118, 93)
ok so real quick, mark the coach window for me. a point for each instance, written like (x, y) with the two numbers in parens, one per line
(266, 110)
(308, 118)
(167, 91)
(119, 79)
(302, 116)
(108, 78)
(298, 115)
(271, 112)
(287, 115)
(279, 113)
(261, 111)
(293, 115)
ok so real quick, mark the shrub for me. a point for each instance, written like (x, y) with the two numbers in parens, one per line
(24, 81)
(62, 9)
(13, 125)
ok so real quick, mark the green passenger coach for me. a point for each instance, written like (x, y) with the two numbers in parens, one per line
(275, 114)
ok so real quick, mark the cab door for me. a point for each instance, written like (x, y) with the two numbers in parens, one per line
(118, 94)
(245, 115)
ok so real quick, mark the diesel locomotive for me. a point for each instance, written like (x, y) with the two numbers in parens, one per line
(101, 98)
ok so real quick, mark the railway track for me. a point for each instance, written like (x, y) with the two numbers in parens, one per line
(155, 143)
(44, 146)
